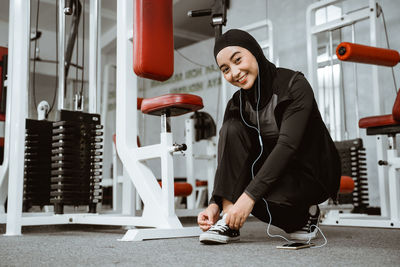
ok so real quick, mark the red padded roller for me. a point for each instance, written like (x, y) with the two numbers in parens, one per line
(346, 185)
(153, 42)
(176, 104)
(181, 189)
(367, 54)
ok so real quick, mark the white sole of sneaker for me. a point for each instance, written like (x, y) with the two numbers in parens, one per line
(303, 237)
(207, 238)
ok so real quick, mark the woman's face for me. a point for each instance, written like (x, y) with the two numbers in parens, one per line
(238, 65)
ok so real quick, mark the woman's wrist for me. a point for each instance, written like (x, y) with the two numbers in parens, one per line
(213, 206)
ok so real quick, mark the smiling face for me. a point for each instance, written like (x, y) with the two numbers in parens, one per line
(238, 66)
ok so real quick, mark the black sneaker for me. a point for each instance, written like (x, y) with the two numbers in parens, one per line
(309, 231)
(219, 233)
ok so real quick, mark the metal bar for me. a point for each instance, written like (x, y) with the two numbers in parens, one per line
(189, 140)
(378, 109)
(333, 116)
(353, 39)
(61, 54)
(18, 82)
(345, 20)
(165, 123)
(94, 60)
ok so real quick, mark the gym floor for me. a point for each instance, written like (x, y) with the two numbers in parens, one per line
(82, 245)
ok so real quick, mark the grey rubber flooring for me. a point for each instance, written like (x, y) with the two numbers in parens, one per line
(79, 245)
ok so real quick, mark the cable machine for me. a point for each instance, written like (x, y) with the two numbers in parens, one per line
(352, 151)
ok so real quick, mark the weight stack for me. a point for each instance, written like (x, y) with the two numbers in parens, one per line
(37, 163)
(353, 158)
(76, 161)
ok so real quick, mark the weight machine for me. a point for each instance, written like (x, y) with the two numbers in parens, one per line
(159, 210)
(369, 14)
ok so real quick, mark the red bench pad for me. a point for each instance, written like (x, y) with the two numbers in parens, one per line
(181, 189)
(139, 103)
(172, 104)
(377, 121)
(201, 183)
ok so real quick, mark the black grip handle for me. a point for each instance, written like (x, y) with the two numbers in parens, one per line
(199, 13)
(68, 7)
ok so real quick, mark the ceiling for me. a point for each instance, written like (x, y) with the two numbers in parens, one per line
(186, 30)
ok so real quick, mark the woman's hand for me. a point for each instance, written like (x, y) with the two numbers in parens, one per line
(208, 217)
(239, 212)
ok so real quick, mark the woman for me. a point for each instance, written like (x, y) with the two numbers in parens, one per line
(276, 158)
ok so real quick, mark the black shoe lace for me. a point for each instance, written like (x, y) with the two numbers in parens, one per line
(219, 227)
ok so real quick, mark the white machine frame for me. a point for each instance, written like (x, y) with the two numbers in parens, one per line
(124, 192)
(158, 210)
(389, 199)
(193, 201)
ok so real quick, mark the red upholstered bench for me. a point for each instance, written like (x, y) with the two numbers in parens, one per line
(384, 124)
(173, 105)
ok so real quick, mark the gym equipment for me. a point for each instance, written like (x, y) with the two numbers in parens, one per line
(153, 40)
(158, 203)
(3, 96)
(382, 125)
(37, 169)
(389, 125)
(217, 13)
(71, 125)
(369, 14)
(3, 126)
(353, 159)
(76, 160)
(158, 212)
(367, 54)
(173, 105)
(200, 128)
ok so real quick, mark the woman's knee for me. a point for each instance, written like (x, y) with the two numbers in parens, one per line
(232, 127)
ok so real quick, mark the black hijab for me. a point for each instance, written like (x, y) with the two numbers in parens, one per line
(267, 70)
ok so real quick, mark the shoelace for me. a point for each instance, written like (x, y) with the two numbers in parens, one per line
(219, 226)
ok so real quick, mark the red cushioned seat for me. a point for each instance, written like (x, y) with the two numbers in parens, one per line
(139, 103)
(346, 185)
(201, 183)
(172, 104)
(384, 124)
(377, 121)
(181, 189)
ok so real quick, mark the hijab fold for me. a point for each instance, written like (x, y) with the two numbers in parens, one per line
(266, 70)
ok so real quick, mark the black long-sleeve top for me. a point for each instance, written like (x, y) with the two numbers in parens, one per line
(303, 142)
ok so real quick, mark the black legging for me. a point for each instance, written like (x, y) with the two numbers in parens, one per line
(238, 148)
